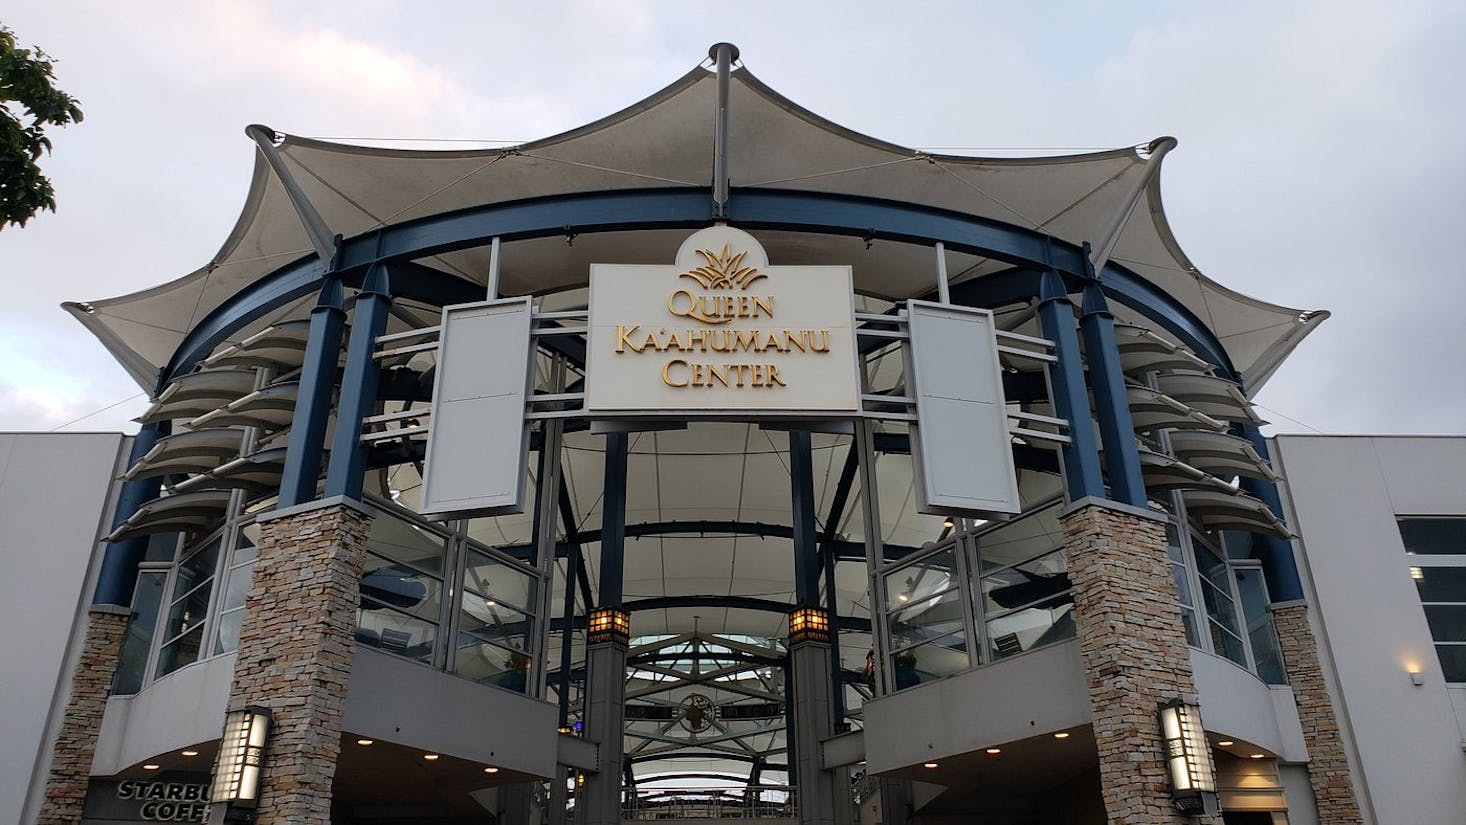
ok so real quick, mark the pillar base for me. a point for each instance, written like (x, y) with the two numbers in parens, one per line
(599, 801)
(295, 652)
(76, 741)
(1328, 765)
(817, 802)
(1134, 651)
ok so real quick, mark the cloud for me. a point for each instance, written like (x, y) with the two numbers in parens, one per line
(1317, 164)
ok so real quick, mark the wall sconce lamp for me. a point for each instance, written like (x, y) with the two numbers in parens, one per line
(808, 624)
(236, 782)
(1417, 678)
(1188, 759)
(609, 625)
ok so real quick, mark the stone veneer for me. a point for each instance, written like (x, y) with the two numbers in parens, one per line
(1328, 766)
(76, 741)
(296, 649)
(1134, 651)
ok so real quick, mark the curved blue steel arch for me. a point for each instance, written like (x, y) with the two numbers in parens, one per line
(1030, 251)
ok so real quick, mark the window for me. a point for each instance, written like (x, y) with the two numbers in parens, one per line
(495, 622)
(925, 618)
(1436, 548)
(132, 663)
(1182, 577)
(1025, 596)
(977, 598)
(1260, 634)
(401, 589)
(188, 607)
(236, 587)
(1215, 578)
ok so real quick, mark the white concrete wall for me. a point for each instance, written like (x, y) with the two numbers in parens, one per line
(182, 709)
(56, 490)
(395, 700)
(1344, 494)
(1034, 693)
(1236, 704)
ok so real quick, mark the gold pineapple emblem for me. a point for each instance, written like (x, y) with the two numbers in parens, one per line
(723, 270)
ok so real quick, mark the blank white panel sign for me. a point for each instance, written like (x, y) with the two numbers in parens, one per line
(478, 441)
(960, 444)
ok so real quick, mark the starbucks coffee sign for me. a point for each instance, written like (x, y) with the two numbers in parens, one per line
(721, 332)
(177, 798)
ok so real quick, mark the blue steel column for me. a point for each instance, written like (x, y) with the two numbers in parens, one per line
(801, 490)
(1279, 568)
(573, 572)
(118, 577)
(837, 667)
(1113, 408)
(605, 661)
(811, 682)
(313, 402)
(359, 385)
(613, 520)
(1082, 477)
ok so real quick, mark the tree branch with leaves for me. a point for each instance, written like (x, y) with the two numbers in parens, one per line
(29, 104)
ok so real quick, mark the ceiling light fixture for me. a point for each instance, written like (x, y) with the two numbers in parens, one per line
(929, 765)
(1259, 756)
(1063, 734)
(995, 751)
(491, 769)
(431, 757)
(188, 753)
(1226, 743)
(151, 767)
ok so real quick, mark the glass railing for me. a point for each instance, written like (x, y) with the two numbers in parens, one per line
(444, 600)
(976, 598)
(728, 802)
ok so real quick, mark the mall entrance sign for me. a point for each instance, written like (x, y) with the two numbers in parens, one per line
(721, 333)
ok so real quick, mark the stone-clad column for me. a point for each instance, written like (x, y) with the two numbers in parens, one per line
(76, 741)
(1328, 766)
(296, 648)
(1134, 652)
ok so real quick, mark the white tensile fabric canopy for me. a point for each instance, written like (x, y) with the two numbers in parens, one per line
(667, 141)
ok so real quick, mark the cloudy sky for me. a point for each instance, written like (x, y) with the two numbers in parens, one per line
(1320, 162)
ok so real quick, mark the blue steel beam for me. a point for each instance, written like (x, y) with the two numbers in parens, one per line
(1112, 407)
(690, 208)
(1279, 568)
(613, 521)
(313, 405)
(801, 495)
(1066, 380)
(118, 577)
(359, 380)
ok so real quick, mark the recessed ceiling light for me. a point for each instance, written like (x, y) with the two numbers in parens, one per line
(365, 742)
(491, 769)
(430, 756)
(1063, 734)
(929, 765)
(151, 767)
(995, 750)
(1226, 743)
(1259, 755)
(189, 753)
